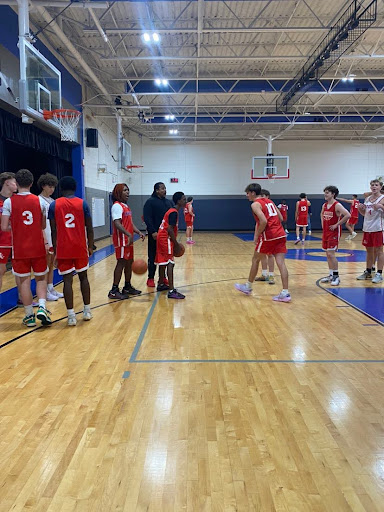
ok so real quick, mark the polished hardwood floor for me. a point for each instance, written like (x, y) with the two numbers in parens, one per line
(220, 402)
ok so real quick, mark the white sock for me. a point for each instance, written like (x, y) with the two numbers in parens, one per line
(248, 285)
(50, 287)
(271, 274)
(41, 303)
(264, 273)
(284, 292)
(71, 312)
(87, 307)
(28, 310)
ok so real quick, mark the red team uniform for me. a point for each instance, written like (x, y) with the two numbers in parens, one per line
(354, 213)
(164, 245)
(120, 240)
(273, 239)
(5, 239)
(302, 214)
(28, 248)
(71, 239)
(188, 217)
(284, 211)
(330, 240)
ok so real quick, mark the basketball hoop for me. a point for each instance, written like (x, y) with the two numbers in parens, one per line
(67, 120)
(271, 178)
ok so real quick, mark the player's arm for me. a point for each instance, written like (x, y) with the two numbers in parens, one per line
(379, 205)
(5, 224)
(170, 229)
(88, 227)
(361, 207)
(258, 211)
(321, 216)
(343, 215)
(350, 201)
(138, 232)
(52, 222)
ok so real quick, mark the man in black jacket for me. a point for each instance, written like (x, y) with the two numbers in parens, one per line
(154, 209)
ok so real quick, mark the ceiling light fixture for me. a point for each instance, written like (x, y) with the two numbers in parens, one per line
(146, 37)
(156, 37)
(158, 81)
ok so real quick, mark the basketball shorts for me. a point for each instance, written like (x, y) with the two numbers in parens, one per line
(23, 267)
(301, 223)
(189, 224)
(66, 266)
(124, 253)
(277, 246)
(353, 220)
(330, 242)
(5, 254)
(375, 239)
(164, 252)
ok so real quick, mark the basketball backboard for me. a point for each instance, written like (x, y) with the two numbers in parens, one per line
(40, 83)
(264, 166)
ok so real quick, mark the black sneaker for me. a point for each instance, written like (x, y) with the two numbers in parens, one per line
(115, 294)
(162, 287)
(174, 294)
(130, 290)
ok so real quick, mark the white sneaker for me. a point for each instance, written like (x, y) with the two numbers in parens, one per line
(349, 237)
(309, 232)
(353, 235)
(335, 281)
(72, 320)
(378, 278)
(87, 315)
(287, 231)
(327, 279)
(52, 296)
(58, 294)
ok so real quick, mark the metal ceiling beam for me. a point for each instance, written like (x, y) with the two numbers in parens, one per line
(253, 78)
(233, 58)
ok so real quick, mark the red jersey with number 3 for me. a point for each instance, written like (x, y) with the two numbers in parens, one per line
(5, 236)
(27, 232)
(71, 240)
(302, 213)
(274, 228)
(162, 234)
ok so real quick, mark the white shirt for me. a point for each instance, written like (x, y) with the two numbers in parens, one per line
(7, 206)
(117, 211)
(373, 219)
(45, 202)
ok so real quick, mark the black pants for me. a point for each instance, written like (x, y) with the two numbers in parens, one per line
(151, 257)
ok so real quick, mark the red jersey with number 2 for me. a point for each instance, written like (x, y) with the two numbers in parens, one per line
(274, 228)
(71, 242)
(27, 232)
(354, 210)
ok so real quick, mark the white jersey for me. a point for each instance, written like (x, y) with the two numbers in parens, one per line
(373, 219)
(45, 202)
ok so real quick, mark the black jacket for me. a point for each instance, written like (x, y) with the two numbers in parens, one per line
(154, 211)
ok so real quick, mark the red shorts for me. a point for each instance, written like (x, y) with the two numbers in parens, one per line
(301, 223)
(330, 242)
(22, 267)
(374, 239)
(164, 252)
(189, 224)
(69, 265)
(124, 253)
(5, 253)
(277, 246)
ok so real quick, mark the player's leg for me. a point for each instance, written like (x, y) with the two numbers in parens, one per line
(271, 269)
(114, 293)
(86, 294)
(379, 257)
(264, 268)
(26, 296)
(284, 295)
(367, 274)
(350, 229)
(191, 235)
(188, 234)
(333, 266)
(247, 287)
(304, 234)
(151, 261)
(51, 295)
(128, 288)
(162, 277)
(297, 234)
(172, 293)
(309, 225)
(3, 269)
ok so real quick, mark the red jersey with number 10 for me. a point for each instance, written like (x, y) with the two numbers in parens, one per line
(71, 239)
(27, 232)
(273, 229)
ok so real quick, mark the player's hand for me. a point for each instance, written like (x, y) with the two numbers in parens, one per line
(142, 236)
(333, 227)
(361, 207)
(90, 250)
(154, 235)
(130, 239)
(376, 207)
(55, 261)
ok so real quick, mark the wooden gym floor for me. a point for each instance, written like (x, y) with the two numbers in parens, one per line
(220, 402)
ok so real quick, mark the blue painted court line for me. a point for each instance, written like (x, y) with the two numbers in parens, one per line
(289, 361)
(367, 300)
(9, 297)
(126, 375)
(140, 339)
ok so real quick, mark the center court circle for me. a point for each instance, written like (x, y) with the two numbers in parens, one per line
(351, 255)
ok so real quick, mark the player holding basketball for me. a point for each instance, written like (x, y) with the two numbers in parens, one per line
(8, 187)
(354, 211)
(373, 226)
(189, 217)
(123, 229)
(166, 242)
(333, 215)
(301, 216)
(72, 238)
(270, 238)
(24, 213)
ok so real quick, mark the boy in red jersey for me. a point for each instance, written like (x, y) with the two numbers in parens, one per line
(333, 215)
(166, 241)
(123, 229)
(23, 211)
(267, 261)
(301, 217)
(189, 217)
(270, 238)
(7, 188)
(354, 211)
(72, 238)
(283, 207)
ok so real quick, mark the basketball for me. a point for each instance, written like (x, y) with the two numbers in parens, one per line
(179, 250)
(139, 267)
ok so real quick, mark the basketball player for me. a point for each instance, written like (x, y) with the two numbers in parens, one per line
(154, 209)
(165, 243)
(283, 207)
(7, 188)
(270, 238)
(23, 212)
(47, 183)
(301, 217)
(123, 229)
(333, 216)
(354, 211)
(373, 226)
(189, 217)
(267, 260)
(72, 238)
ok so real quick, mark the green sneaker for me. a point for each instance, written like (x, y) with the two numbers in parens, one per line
(29, 321)
(262, 278)
(271, 279)
(43, 315)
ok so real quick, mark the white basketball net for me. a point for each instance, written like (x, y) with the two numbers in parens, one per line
(271, 178)
(68, 121)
